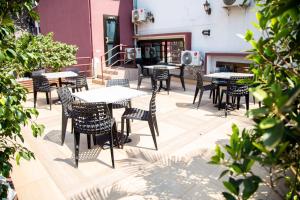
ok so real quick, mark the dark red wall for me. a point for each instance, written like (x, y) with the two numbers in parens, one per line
(69, 20)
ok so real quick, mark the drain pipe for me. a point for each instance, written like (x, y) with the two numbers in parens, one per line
(135, 26)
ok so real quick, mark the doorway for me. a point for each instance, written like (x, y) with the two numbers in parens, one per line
(111, 38)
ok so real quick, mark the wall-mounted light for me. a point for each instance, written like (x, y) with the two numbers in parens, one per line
(207, 7)
(206, 32)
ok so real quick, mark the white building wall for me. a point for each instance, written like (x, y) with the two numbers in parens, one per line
(189, 16)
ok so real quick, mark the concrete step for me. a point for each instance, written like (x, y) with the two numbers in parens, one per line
(110, 71)
(105, 76)
(98, 81)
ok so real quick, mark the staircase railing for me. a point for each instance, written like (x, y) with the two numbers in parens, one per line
(122, 58)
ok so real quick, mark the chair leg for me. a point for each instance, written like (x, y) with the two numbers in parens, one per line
(34, 99)
(200, 97)
(220, 100)
(247, 101)
(111, 143)
(226, 105)
(122, 133)
(94, 139)
(182, 82)
(196, 93)
(168, 82)
(139, 83)
(76, 143)
(155, 125)
(47, 98)
(127, 128)
(238, 99)
(211, 91)
(88, 137)
(86, 87)
(214, 96)
(50, 100)
(152, 133)
(64, 123)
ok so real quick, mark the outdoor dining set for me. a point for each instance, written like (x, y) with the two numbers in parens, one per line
(91, 111)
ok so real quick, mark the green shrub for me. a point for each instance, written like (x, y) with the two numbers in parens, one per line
(274, 141)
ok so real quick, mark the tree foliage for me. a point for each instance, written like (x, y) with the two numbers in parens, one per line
(13, 115)
(274, 141)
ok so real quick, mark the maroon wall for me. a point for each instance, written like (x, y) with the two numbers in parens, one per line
(121, 8)
(69, 20)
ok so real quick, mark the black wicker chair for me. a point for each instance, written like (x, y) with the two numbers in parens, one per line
(143, 115)
(142, 74)
(41, 84)
(80, 82)
(160, 74)
(200, 86)
(66, 99)
(71, 81)
(123, 83)
(219, 82)
(180, 76)
(235, 90)
(92, 119)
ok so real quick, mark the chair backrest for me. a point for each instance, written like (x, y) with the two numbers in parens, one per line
(66, 99)
(160, 73)
(118, 82)
(91, 118)
(81, 80)
(238, 88)
(199, 79)
(152, 104)
(142, 71)
(40, 83)
(38, 72)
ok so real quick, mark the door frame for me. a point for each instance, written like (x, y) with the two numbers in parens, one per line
(105, 17)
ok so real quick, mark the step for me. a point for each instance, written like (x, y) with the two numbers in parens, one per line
(110, 71)
(98, 81)
(105, 77)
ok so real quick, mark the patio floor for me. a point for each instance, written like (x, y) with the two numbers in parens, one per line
(178, 170)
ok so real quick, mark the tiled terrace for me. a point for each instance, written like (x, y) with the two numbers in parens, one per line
(178, 170)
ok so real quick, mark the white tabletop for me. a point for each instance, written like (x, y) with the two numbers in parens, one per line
(227, 75)
(56, 75)
(108, 94)
(161, 66)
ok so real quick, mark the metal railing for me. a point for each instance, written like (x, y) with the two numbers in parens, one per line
(121, 59)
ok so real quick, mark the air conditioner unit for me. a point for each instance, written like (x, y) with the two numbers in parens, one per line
(150, 52)
(133, 53)
(191, 58)
(236, 2)
(139, 15)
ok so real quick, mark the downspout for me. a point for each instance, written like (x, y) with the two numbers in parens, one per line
(135, 27)
(94, 73)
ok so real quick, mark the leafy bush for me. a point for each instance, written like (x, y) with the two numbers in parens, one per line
(44, 53)
(274, 141)
(13, 116)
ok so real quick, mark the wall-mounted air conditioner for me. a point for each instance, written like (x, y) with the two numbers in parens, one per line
(150, 52)
(133, 53)
(242, 3)
(139, 15)
(191, 58)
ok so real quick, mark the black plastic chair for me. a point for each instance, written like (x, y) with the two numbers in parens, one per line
(180, 76)
(41, 84)
(123, 83)
(235, 90)
(142, 74)
(200, 86)
(71, 81)
(143, 115)
(80, 82)
(92, 119)
(160, 74)
(66, 99)
(219, 82)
